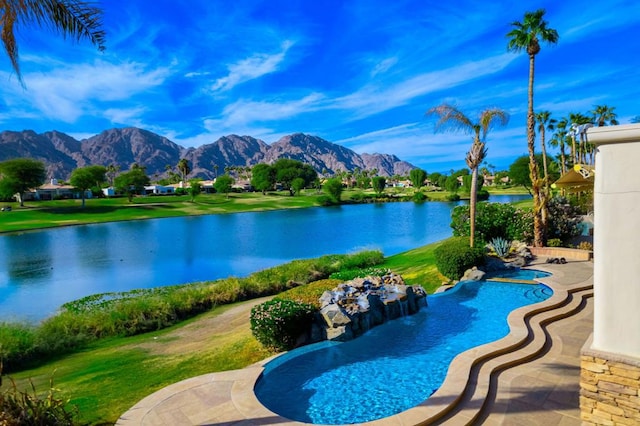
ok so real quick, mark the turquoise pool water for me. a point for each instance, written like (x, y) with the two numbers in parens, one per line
(395, 366)
(519, 274)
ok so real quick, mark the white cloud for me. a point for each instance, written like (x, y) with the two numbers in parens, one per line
(68, 93)
(251, 68)
(243, 113)
(375, 99)
(384, 66)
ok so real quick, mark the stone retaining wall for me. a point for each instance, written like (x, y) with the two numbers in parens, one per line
(609, 388)
(567, 253)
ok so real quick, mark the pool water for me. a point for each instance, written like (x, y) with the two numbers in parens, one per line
(395, 366)
(519, 274)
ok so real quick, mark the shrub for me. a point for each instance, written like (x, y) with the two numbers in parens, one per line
(585, 245)
(454, 256)
(29, 408)
(501, 246)
(494, 220)
(349, 274)
(563, 219)
(419, 197)
(554, 242)
(278, 324)
(310, 293)
(453, 197)
(325, 201)
(16, 344)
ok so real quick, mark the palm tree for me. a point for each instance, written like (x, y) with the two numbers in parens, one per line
(578, 152)
(545, 122)
(603, 115)
(559, 140)
(77, 19)
(527, 36)
(183, 168)
(453, 118)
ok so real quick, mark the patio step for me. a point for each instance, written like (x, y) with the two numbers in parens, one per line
(469, 403)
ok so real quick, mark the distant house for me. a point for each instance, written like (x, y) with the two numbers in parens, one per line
(109, 192)
(159, 190)
(55, 191)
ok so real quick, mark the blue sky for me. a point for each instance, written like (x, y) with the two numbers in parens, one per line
(358, 73)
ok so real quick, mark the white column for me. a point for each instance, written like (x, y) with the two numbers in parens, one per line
(617, 239)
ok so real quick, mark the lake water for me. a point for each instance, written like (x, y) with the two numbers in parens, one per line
(41, 270)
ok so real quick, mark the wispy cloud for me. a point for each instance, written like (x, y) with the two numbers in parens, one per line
(251, 68)
(68, 93)
(375, 99)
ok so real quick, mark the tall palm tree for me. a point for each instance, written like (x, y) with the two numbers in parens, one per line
(73, 18)
(527, 36)
(603, 115)
(452, 118)
(545, 122)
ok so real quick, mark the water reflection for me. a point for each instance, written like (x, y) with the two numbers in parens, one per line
(24, 264)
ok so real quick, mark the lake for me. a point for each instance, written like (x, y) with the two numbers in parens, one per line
(41, 270)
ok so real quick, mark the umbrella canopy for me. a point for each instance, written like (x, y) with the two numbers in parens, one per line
(579, 178)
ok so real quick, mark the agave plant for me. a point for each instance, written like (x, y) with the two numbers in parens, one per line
(501, 246)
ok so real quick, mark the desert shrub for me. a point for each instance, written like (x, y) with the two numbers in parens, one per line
(494, 220)
(31, 408)
(501, 246)
(278, 324)
(454, 256)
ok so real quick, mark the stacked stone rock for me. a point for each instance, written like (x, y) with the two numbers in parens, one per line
(355, 306)
(609, 391)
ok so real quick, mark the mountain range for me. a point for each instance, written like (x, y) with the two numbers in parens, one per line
(123, 147)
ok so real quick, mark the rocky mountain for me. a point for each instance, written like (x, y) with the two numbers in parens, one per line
(123, 147)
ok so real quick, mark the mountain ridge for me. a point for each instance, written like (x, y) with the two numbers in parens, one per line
(123, 147)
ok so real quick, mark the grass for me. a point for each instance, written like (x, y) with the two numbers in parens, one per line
(48, 214)
(110, 375)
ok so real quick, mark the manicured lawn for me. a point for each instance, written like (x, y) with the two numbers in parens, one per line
(46, 214)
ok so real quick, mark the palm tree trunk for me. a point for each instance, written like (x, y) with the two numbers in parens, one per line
(563, 159)
(544, 159)
(472, 205)
(538, 229)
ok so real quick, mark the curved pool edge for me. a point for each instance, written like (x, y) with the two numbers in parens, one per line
(229, 397)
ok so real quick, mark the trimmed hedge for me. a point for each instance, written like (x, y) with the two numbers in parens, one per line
(454, 256)
(278, 323)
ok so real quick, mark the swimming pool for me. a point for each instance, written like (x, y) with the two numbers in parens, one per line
(395, 366)
(518, 274)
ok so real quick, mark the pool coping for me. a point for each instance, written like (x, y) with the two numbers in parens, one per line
(228, 397)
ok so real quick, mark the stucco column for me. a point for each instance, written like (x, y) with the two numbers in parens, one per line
(617, 239)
